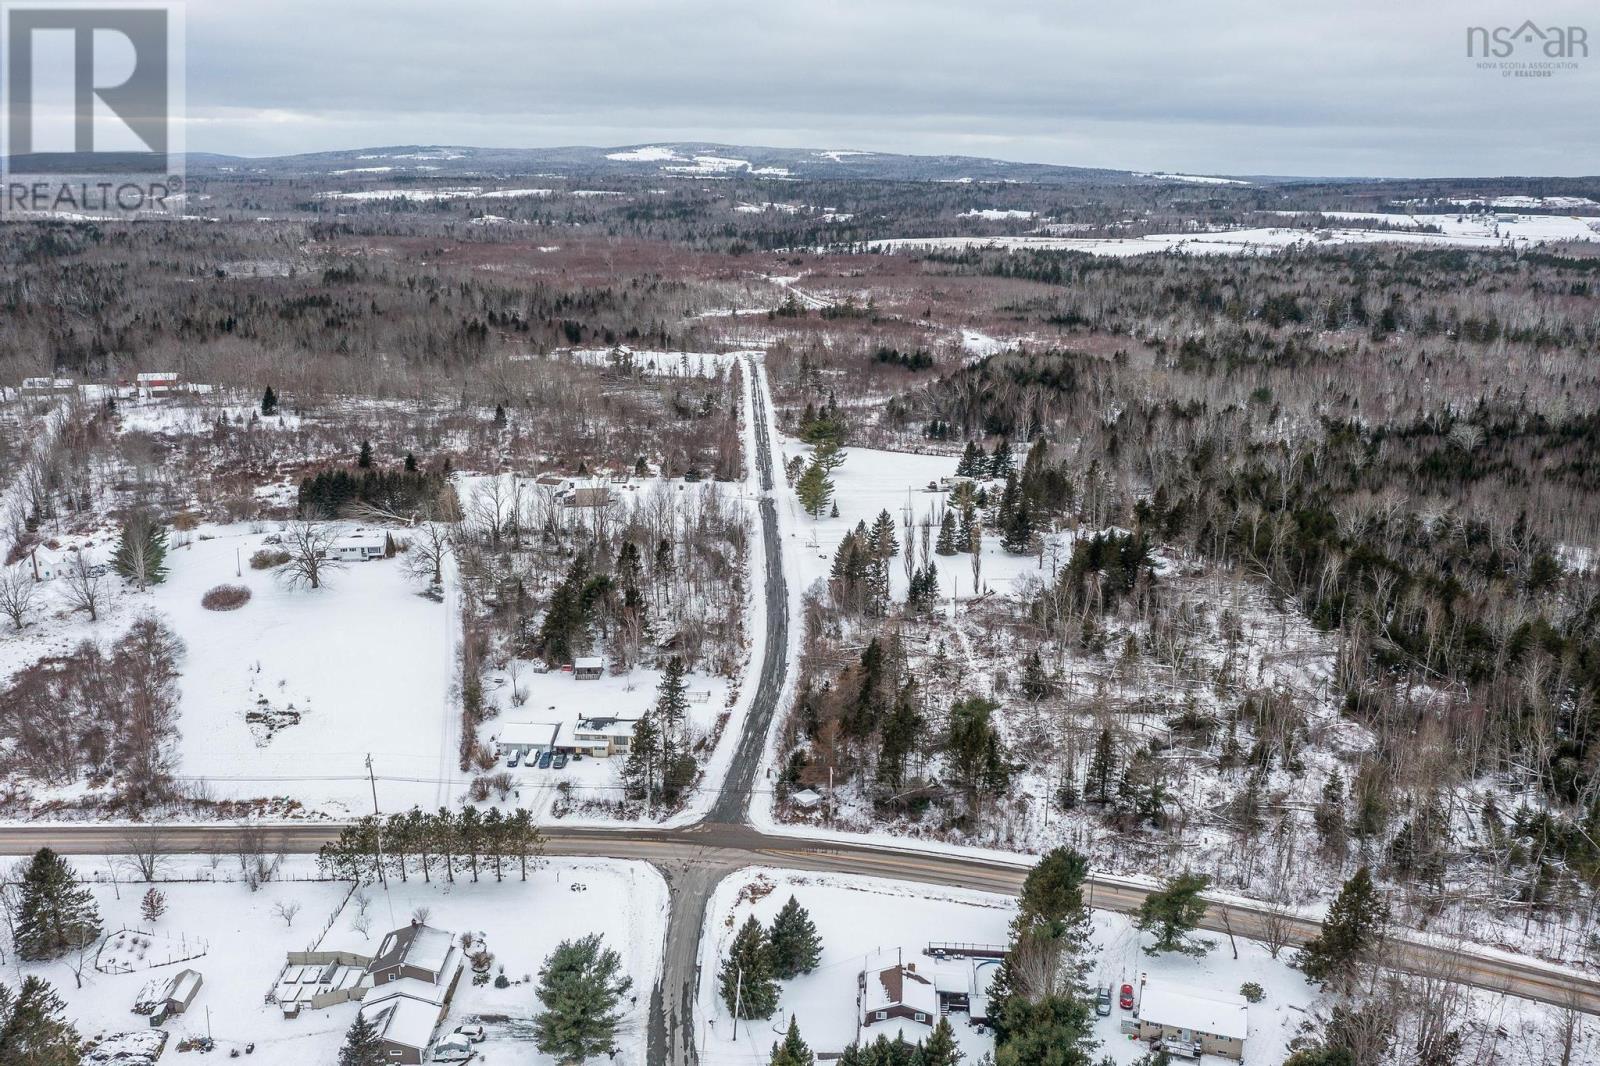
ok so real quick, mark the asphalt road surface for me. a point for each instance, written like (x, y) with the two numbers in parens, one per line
(696, 858)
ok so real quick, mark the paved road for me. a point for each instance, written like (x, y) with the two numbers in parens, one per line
(696, 858)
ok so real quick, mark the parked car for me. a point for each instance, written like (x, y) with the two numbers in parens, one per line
(1102, 1001)
(560, 760)
(1125, 1000)
(515, 758)
(473, 1032)
(544, 760)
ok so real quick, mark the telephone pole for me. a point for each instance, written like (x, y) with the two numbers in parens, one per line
(377, 830)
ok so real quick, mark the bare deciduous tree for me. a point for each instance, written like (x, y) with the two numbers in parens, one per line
(287, 909)
(147, 848)
(309, 545)
(85, 587)
(18, 595)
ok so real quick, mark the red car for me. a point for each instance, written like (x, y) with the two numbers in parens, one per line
(1125, 999)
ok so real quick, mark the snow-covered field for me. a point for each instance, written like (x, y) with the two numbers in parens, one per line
(1524, 231)
(246, 940)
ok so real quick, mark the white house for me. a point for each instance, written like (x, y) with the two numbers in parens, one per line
(361, 545)
(588, 668)
(601, 737)
(1190, 1021)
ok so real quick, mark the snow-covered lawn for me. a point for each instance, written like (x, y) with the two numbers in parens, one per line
(246, 941)
(856, 918)
(872, 481)
(859, 918)
(365, 661)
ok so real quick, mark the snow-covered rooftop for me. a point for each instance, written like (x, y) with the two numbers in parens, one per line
(891, 983)
(403, 1019)
(1205, 1010)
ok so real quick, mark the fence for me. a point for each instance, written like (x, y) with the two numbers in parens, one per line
(186, 950)
(970, 951)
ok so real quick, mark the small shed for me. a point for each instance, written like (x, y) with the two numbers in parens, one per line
(806, 799)
(589, 668)
(177, 996)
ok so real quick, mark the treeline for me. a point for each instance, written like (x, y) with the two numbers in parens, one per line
(426, 844)
(331, 493)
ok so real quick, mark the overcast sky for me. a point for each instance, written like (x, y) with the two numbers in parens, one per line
(1353, 87)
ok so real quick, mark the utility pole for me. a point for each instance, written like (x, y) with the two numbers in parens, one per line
(738, 994)
(377, 829)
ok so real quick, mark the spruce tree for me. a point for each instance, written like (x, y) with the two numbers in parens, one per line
(141, 552)
(884, 544)
(362, 1045)
(500, 415)
(1172, 912)
(32, 1030)
(748, 986)
(56, 914)
(269, 402)
(411, 463)
(1353, 928)
(580, 985)
(641, 770)
(672, 696)
(793, 1051)
(946, 542)
(796, 948)
(815, 490)
(1102, 764)
(971, 464)
(940, 1049)
(364, 456)
(1001, 463)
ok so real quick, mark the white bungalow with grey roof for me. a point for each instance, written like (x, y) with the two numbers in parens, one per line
(1190, 1021)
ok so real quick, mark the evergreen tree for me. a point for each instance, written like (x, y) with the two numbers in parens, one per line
(793, 1051)
(55, 914)
(940, 1049)
(411, 463)
(364, 457)
(746, 979)
(362, 1045)
(672, 696)
(500, 416)
(900, 732)
(884, 544)
(580, 985)
(32, 1030)
(1036, 684)
(1001, 464)
(815, 487)
(945, 544)
(141, 551)
(153, 906)
(1102, 764)
(971, 464)
(971, 530)
(641, 772)
(796, 948)
(565, 629)
(1172, 912)
(1352, 930)
(1052, 1031)
(269, 402)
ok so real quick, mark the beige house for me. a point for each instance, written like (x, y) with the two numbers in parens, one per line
(1189, 1021)
(599, 738)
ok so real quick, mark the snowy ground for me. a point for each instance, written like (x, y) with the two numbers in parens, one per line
(365, 662)
(521, 923)
(859, 918)
(1524, 231)
(872, 481)
(855, 917)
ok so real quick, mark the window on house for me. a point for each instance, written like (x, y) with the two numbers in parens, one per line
(921, 1017)
(881, 1015)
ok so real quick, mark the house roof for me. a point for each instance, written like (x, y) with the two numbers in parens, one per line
(588, 662)
(403, 1019)
(184, 986)
(363, 538)
(899, 984)
(540, 733)
(158, 375)
(417, 945)
(605, 727)
(1203, 1009)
